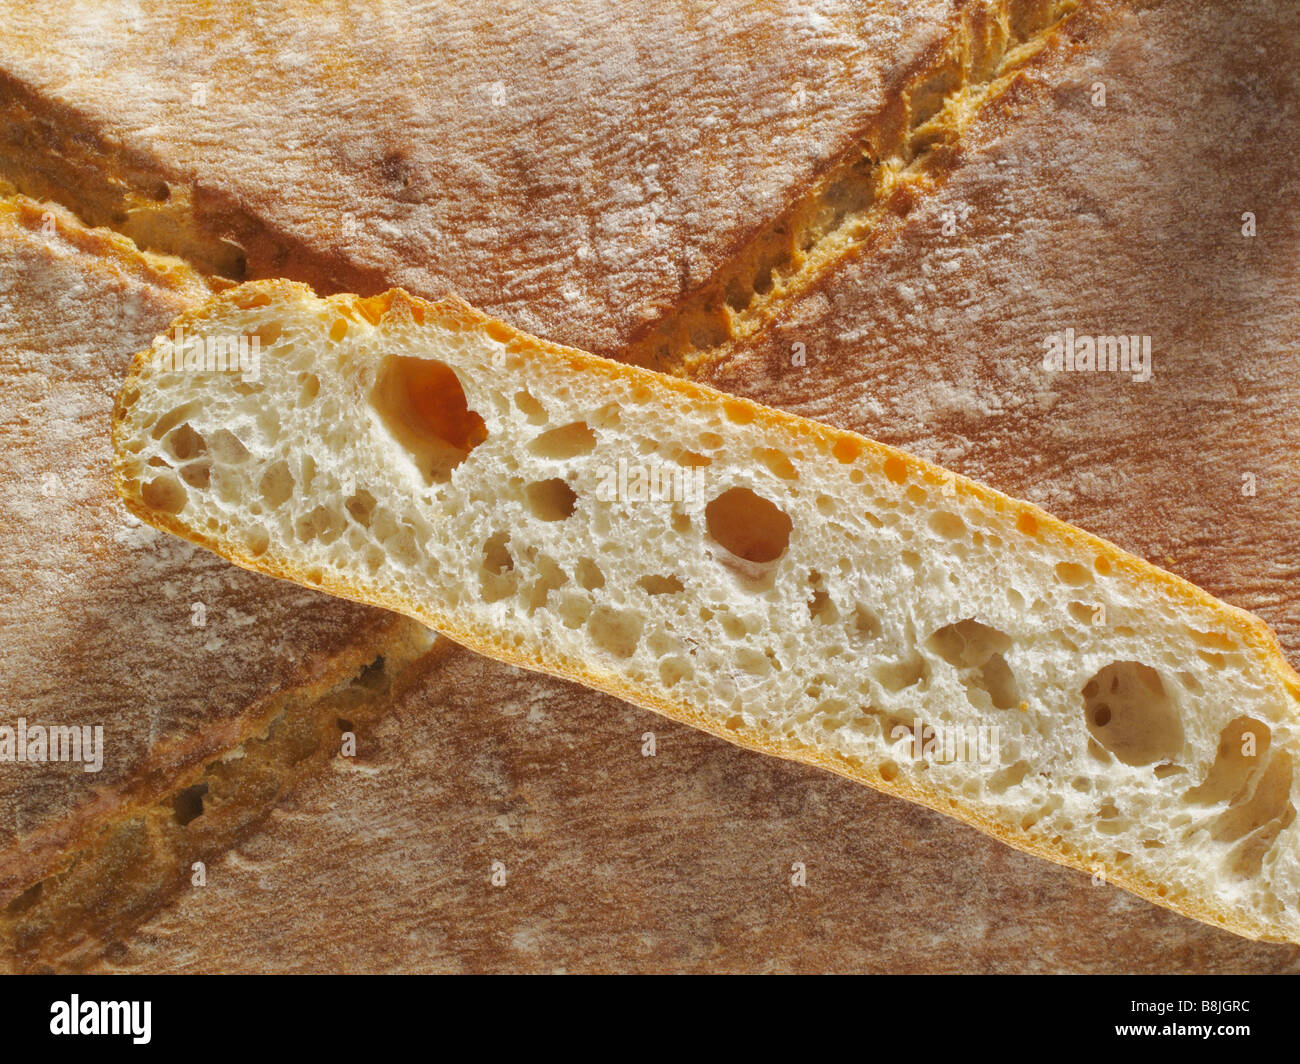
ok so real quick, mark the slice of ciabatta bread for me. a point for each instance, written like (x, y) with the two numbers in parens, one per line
(793, 588)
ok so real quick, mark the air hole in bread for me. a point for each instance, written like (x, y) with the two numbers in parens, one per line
(184, 443)
(997, 679)
(550, 577)
(188, 804)
(574, 609)
(895, 469)
(673, 670)
(976, 651)
(308, 388)
(866, 625)
(306, 473)
(762, 282)
(277, 484)
(322, 523)
(1259, 819)
(661, 585)
(738, 294)
(1080, 612)
(227, 448)
(1240, 757)
(551, 500)
(927, 99)
(567, 441)
(1255, 782)
(1107, 820)
(898, 675)
(530, 408)
(423, 406)
(1032, 818)
(947, 524)
(361, 507)
(846, 450)
(847, 197)
(1010, 776)
(197, 475)
(615, 631)
(588, 574)
(753, 662)
(821, 609)
(693, 460)
(734, 626)
(710, 332)
(174, 417)
(748, 526)
(497, 578)
(257, 541)
(777, 462)
(737, 412)
(1116, 825)
(1129, 712)
(968, 643)
(267, 333)
(165, 494)
(1073, 574)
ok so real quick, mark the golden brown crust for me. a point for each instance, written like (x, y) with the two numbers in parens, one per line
(98, 625)
(1253, 633)
(458, 166)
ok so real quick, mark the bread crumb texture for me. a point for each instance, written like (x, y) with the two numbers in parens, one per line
(796, 589)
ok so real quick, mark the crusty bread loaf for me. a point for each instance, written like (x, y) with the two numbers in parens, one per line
(575, 167)
(793, 588)
(210, 686)
(579, 172)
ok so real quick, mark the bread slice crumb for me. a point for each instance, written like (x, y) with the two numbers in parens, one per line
(790, 587)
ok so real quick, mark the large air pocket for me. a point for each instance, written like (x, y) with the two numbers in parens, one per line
(423, 405)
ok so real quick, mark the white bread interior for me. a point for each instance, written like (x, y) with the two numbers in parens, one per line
(820, 594)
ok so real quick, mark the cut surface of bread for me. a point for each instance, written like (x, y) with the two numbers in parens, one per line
(793, 588)
(179, 660)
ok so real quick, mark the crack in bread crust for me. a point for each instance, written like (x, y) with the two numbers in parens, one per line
(861, 199)
(52, 153)
(84, 862)
(123, 870)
